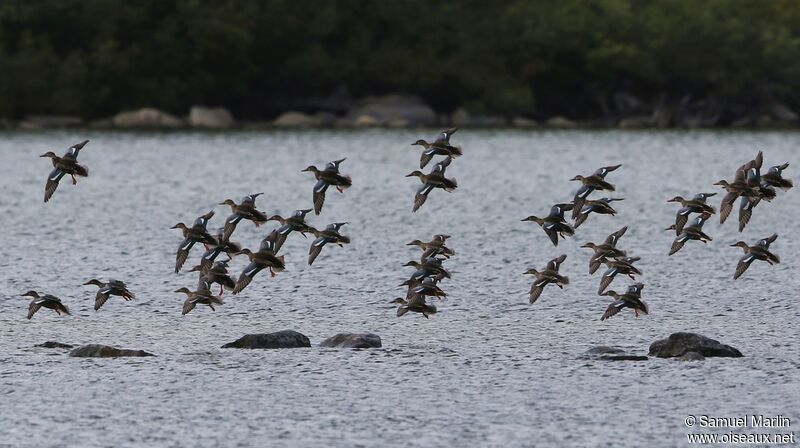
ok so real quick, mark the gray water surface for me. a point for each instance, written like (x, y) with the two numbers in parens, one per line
(487, 370)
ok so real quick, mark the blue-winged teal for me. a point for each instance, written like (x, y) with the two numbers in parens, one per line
(329, 235)
(246, 210)
(691, 232)
(619, 265)
(595, 181)
(215, 273)
(600, 206)
(416, 304)
(111, 288)
(759, 251)
(265, 258)
(68, 164)
(202, 296)
(774, 178)
(548, 275)
(689, 206)
(44, 301)
(554, 224)
(435, 179)
(630, 299)
(325, 178)
(294, 223)
(191, 235)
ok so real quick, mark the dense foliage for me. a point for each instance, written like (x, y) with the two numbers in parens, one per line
(532, 57)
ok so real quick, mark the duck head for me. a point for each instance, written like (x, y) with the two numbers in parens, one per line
(533, 218)
(741, 244)
(416, 173)
(415, 243)
(399, 301)
(50, 155)
(677, 199)
(531, 271)
(578, 178)
(179, 225)
(310, 168)
(184, 290)
(611, 293)
(95, 282)
(412, 263)
(723, 183)
(31, 293)
(421, 142)
(589, 245)
(228, 202)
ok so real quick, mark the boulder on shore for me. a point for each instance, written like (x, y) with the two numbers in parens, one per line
(294, 119)
(147, 117)
(210, 117)
(679, 344)
(105, 351)
(54, 344)
(394, 108)
(32, 122)
(352, 340)
(280, 339)
(561, 122)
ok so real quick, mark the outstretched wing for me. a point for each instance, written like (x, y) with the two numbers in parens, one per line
(52, 183)
(101, 297)
(319, 196)
(743, 264)
(315, 249)
(613, 309)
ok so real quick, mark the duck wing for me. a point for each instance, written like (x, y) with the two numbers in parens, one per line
(230, 225)
(551, 232)
(33, 308)
(421, 196)
(315, 249)
(536, 291)
(426, 157)
(743, 264)
(319, 196)
(101, 297)
(745, 211)
(247, 276)
(726, 206)
(581, 218)
(183, 253)
(52, 183)
(613, 309)
(606, 279)
(678, 244)
(188, 305)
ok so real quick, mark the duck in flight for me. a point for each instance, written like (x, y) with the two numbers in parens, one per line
(246, 210)
(62, 166)
(202, 296)
(107, 289)
(329, 235)
(759, 251)
(222, 245)
(689, 206)
(547, 276)
(434, 247)
(618, 265)
(554, 224)
(632, 298)
(691, 232)
(44, 301)
(325, 178)
(191, 235)
(600, 206)
(414, 303)
(605, 251)
(265, 258)
(595, 181)
(294, 223)
(215, 273)
(435, 179)
(441, 147)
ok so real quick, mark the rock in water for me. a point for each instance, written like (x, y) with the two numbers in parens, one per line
(105, 351)
(210, 117)
(280, 339)
(352, 340)
(606, 353)
(54, 344)
(692, 356)
(678, 344)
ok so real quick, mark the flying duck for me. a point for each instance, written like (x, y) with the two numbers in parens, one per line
(215, 273)
(416, 304)
(601, 206)
(230, 248)
(329, 235)
(774, 178)
(325, 178)
(265, 258)
(548, 275)
(630, 299)
(691, 232)
(435, 179)
(202, 296)
(245, 210)
(68, 164)
(688, 206)
(596, 181)
(46, 301)
(619, 265)
(112, 288)
(441, 146)
(195, 234)
(759, 251)
(294, 223)
(554, 224)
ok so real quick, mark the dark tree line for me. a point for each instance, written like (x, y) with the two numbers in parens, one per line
(532, 57)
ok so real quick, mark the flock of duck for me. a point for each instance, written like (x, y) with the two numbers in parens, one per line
(749, 185)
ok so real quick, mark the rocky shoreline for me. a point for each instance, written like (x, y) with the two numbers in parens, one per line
(625, 111)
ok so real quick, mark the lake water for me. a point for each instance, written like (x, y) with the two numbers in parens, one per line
(487, 370)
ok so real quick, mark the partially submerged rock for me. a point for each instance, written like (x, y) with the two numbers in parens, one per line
(280, 339)
(352, 340)
(105, 351)
(606, 353)
(679, 344)
(294, 119)
(393, 108)
(54, 344)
